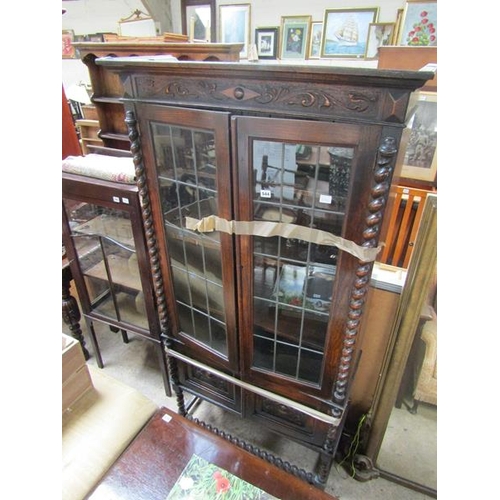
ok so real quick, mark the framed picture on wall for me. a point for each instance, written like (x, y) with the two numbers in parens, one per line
(295, 33)
(68, 50)
(397, 26)
(234, 25)
(419, 24)
(420, 155)
(198, 19)
(266, 41)
(379, 34)
(345, 31)
(315, 45)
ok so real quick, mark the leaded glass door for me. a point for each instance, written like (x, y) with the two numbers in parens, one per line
(305, 175)
(187, 158)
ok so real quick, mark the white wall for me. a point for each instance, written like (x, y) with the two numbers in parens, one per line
(92, 16)
(269, 12)
(97, 16)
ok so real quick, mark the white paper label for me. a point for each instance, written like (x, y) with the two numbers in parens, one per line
(265, 193)
(116, 199)
(325, 198)
(125, 200)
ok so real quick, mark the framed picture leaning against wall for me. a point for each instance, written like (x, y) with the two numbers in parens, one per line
(266, 41)
(345, 31)
(234, 25)
(295, 33)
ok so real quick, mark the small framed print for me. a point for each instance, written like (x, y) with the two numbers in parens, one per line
(397, 27)
(234, 25)
(68, 50)
(266, 41)
(420, 155)
(315, 45)
(379, 34)
(295, 33)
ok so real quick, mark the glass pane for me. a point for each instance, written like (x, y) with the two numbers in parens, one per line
(187, 167)
(105, 249)
(305, 185)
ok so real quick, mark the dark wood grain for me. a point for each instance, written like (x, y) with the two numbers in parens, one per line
(362, 109)
(150, 466)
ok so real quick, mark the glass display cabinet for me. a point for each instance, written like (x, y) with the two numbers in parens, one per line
(267, 185)
(105, 244)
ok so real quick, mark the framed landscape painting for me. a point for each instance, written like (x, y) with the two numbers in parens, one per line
(345, 31)
(234, 25)
(315, 46)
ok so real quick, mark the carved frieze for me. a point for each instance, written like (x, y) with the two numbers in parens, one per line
(314, 99)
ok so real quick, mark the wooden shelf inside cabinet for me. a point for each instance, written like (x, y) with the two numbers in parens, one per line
(108, 227)
(120, 270)
(108, 89)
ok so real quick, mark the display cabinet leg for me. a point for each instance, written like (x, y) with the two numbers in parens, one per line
(162, 357)
(174, 377)
(95, 345)
(124, 333)
(413, 409)
(322, 469)
(124, 336)
(71, 312)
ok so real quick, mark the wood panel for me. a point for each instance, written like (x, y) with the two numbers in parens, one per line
(396, 57)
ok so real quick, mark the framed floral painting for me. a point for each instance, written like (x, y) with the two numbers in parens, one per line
(295, 33)
(419, 24)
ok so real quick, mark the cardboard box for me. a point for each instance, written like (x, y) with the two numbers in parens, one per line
(76, 379)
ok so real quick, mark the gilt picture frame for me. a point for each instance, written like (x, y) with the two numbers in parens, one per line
(295, 35)
(68, 50)
(420, 154)
(419, 24)
(234, 25)
(345, 31)
(379, 35)
(315, 43)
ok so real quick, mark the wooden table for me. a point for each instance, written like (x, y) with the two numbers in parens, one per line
(151, 465)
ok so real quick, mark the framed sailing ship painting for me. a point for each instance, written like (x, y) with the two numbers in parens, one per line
(345, 31)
